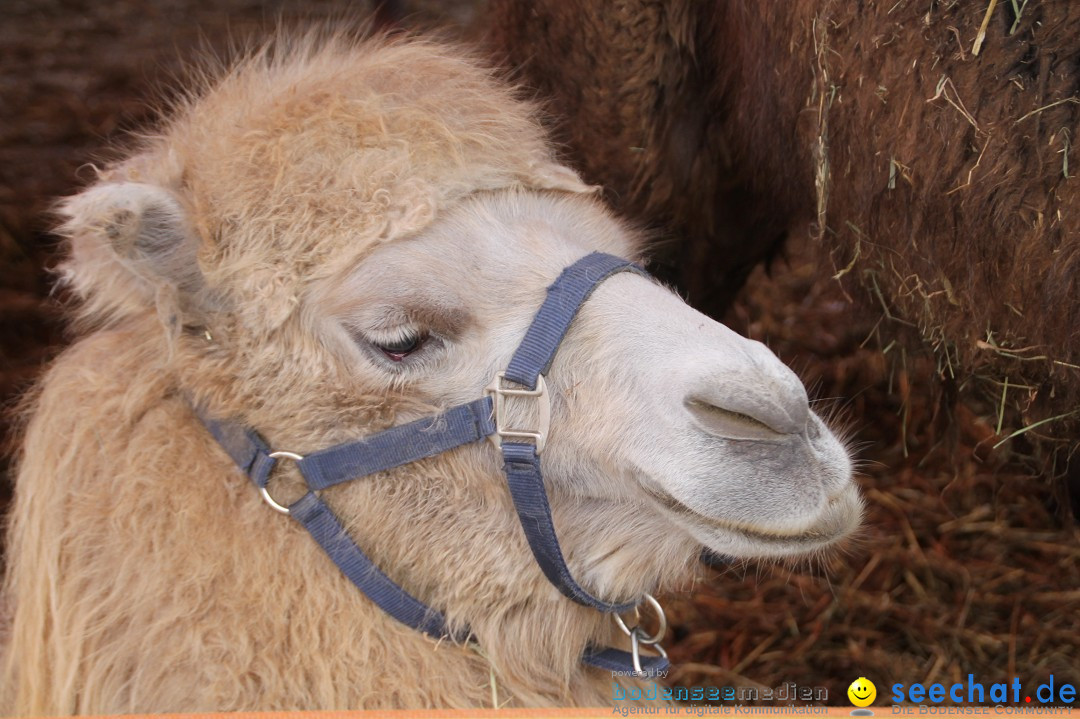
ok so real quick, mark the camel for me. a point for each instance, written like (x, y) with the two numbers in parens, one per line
(330, 240)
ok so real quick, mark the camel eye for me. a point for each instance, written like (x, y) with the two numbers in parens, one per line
(398, 350)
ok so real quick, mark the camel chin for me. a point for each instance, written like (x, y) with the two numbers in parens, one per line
(839, 518)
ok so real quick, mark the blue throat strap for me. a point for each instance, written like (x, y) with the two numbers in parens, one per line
(324, 526)
(430, 436)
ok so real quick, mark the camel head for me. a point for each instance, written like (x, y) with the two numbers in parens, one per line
(707, 434)
(339, 240)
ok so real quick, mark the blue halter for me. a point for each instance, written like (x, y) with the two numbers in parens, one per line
(455, 427)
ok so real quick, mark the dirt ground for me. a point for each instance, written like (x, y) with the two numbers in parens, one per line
(966, 564)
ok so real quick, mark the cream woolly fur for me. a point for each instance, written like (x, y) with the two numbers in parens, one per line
(304, 208)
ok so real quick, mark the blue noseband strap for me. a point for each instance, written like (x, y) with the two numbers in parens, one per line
(430, 436)
(564, 298)
(526, 483)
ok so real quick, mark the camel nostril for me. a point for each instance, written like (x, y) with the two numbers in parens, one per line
(762, 406)
(731, 424)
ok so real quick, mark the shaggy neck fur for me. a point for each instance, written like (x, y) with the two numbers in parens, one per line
(232, 606)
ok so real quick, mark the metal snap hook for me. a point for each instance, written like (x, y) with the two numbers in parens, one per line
(636, 640)
(265, 493)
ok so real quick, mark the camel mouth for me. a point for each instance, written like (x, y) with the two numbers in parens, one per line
(832, 525)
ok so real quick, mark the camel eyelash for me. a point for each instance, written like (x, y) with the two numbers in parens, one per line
(400, 349)
(388, 337)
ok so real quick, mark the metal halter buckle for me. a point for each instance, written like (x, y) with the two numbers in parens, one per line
(543, 411)
(265, 493)
(638, 636)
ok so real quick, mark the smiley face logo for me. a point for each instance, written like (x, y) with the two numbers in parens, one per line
(862, 692)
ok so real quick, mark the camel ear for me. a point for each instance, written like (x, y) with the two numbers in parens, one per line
(131, 248)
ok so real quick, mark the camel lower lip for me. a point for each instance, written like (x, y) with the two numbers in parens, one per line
(751, 533)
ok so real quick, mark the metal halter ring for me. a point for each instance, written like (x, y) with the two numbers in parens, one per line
(265, 493)
(637, 634)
